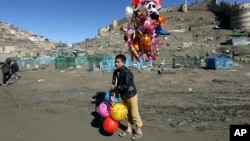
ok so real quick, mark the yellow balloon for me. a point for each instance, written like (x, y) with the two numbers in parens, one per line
(146, 42)
(136, 46)
(119, 111)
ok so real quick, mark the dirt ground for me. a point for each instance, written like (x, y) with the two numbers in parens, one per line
(190, 105)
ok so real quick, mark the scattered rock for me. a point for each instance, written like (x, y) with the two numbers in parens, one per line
(173, 124)
(223, 81)
(224, 119)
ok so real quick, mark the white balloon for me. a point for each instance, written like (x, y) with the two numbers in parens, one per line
(129, 12)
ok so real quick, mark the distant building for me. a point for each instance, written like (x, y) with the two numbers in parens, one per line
(114, 23)
(7, 49)
(103, 31)
(240, 17)
(239, 41)
(36, 38)
(218, 62)
(239, 13)
(46, 45)
(12, 31)
(184, 7)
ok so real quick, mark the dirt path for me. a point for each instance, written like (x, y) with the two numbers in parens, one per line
(189, 105)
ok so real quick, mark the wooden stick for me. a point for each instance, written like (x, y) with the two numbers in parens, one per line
(116, 79)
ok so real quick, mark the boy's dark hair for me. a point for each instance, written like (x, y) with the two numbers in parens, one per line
(121, 57)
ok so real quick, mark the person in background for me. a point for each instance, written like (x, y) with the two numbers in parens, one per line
(1, 66)
(6, 71)
(15, 69)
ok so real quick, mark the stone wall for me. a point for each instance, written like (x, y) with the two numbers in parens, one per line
(104, 31)
(239, 13)
(7, 49)
(240, 18)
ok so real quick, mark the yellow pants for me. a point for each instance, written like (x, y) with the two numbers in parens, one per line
(133, 111)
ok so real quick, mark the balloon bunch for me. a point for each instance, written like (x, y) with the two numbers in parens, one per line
(144, 25)
(112, 114)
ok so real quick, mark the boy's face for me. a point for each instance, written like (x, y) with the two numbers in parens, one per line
(119, 63)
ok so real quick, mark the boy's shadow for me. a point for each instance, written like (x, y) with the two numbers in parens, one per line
(97, 122)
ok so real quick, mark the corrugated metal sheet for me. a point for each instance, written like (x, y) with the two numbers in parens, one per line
(217, 55)
(239, 41)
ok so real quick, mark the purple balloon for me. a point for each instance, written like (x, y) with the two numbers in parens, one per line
(104, 109)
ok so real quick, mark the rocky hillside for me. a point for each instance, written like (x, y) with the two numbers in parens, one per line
(18, 41)
(193, 33)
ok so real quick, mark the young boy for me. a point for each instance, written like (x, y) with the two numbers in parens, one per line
(124, 80)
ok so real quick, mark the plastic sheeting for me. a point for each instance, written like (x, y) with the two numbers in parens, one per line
(32, 63)
(35, 63)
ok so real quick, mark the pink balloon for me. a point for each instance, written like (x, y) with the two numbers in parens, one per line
(104, 109)
(147, 23)
(150, 56)
(154, 42)
(141, 28)
(129, 33)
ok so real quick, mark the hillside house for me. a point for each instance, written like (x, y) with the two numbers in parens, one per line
(35, 38)
(218, 62)
(7, 49)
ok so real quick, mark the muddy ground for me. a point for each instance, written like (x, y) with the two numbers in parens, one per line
(190, 105)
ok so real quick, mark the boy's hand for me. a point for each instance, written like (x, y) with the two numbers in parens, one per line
(112, 99)
(144, 56)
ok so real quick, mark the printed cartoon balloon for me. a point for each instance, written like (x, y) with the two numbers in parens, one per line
(144, 25)
(152, 11)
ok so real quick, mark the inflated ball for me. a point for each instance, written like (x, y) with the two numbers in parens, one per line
(110, 126)
(107, 97)
(119, 111)
(104, 109)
